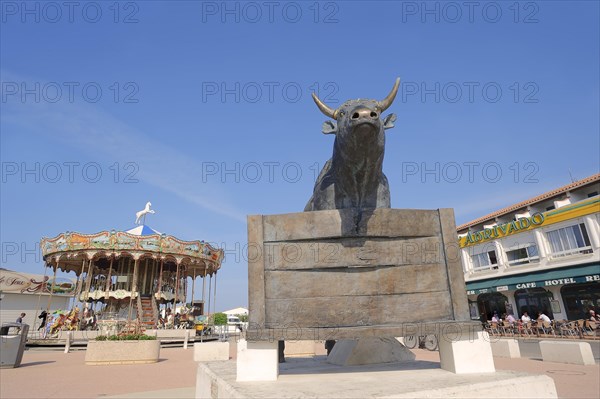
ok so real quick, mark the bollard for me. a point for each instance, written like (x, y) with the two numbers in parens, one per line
(187, 337)
(68, 343)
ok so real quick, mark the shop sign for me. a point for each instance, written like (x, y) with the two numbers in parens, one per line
(503, 230)
(560, 281)
(535, 284)
(11, 282)
(14, 282)
(525, 285)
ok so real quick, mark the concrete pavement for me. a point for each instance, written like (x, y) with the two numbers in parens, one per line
(54, 374)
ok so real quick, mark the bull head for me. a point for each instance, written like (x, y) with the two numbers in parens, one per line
(357, 111)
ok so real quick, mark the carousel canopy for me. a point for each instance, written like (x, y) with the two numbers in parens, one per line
(142, 230)
(140, 241)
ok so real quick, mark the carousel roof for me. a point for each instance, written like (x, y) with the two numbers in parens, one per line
(142, 230)
(70, 247)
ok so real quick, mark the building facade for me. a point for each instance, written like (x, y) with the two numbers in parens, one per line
(540, 255)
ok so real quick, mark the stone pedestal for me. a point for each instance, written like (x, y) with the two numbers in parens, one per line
(314, 378)
(464, 354)
(357, 274)
(257, 361)
(347, 352)
(353, 273)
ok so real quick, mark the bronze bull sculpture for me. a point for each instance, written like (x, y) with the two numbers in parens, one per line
(353, 177)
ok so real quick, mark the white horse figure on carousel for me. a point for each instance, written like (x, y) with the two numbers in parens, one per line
(142, 214)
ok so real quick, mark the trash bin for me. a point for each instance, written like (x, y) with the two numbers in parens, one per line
(13, 337)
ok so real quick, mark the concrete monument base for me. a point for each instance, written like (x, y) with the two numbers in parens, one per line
(315, 378)
(257, 361)
(349, 352)
(467, 354)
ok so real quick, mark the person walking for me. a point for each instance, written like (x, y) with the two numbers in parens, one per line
(20, 321)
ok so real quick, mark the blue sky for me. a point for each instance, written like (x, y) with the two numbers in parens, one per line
(204, 109)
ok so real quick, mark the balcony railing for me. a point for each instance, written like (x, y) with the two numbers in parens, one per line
(573, 251)
(523, 261)
(485, 268)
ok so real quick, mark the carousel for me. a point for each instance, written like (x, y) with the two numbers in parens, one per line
(135, 275)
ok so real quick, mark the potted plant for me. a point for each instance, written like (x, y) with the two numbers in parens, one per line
(126, 348)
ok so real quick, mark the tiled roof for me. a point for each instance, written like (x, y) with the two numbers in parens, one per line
(542, 197)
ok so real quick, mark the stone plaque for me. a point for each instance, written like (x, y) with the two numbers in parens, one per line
(350, 274)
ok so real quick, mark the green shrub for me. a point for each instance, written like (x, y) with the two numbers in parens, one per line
(220, 319)
(128, 337)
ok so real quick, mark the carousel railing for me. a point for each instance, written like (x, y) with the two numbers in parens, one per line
(154, 310)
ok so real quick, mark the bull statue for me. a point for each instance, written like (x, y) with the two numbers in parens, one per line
(353, 177)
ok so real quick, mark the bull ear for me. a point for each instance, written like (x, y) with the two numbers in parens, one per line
(329, 127)
(389, 120)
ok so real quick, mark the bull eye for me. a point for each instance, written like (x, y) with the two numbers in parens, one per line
(355, 115)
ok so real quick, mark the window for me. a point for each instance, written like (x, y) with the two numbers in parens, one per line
(484, 261)
(593, 194)
(523, 256)
(490, 303)
(569, 241)
(551, 207)
(534, 300)
(580, 298)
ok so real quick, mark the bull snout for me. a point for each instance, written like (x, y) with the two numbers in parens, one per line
(365, 113)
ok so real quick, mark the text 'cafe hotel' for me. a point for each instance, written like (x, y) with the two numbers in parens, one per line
(542, 254)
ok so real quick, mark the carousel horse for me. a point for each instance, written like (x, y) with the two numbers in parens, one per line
(139, 215)
(49, 323)
(72, 319)
(61, 321)
(57, 323)
(88, 320)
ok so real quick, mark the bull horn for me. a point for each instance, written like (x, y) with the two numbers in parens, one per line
(332, 113)
(385, 104)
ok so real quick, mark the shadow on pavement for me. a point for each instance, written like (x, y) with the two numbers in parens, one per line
(36, 363)
(319, 366)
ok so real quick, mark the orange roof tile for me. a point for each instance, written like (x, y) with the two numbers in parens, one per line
(517, 206)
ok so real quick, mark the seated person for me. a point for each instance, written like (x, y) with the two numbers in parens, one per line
(525, 318)
(495, 318)
(542, 317)
(593, 316)
(511, 319)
